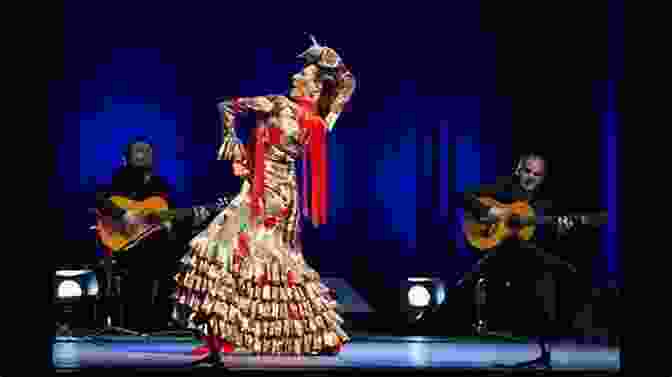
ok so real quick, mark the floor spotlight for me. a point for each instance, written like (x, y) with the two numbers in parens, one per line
(69, 289)
(75, 296)
(418, 296)
(421, 296)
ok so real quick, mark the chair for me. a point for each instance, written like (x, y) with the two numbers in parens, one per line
(113, 273)
(480, 297)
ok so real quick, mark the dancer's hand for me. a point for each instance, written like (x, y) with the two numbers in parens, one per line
(240, 170)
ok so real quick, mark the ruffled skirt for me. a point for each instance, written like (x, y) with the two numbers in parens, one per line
(255, 291)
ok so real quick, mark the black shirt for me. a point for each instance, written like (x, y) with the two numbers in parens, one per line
(130, 183)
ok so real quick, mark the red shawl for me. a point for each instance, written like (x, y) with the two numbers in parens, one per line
(316, 151)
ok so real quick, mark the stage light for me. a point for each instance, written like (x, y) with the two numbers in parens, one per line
(418, 296)
(421, 295)
(69, 289)
(75, 295)
(73, 284)
(70, 273)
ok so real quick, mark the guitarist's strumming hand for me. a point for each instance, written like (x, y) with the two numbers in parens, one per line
(168, 225)
(130, 218)
(498, 213)
(132, 222)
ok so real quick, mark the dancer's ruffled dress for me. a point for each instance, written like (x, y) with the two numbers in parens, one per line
(248, 277)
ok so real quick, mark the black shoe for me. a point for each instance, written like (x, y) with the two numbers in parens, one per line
(63, 330)
(541, 362)
(213, 360)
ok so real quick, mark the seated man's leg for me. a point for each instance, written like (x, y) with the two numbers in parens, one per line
(164, 302)
(163, 272)
(137, 297)
(510, 290)
(551, 271)
(546, 292)
(127, 299)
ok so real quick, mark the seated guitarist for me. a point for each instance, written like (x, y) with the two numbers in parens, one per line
(155, 259)
(522, 261)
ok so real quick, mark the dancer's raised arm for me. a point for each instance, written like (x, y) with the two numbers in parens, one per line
(232, 148)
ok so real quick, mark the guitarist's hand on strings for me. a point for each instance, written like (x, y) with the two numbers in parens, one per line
(201, 213)
(564, 224)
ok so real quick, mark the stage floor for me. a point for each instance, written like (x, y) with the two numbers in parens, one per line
(364, 353)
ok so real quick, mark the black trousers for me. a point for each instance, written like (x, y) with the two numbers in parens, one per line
(147, 305)
(522, 288)
(142, 286)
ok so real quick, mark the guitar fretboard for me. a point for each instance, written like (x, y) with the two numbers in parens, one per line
(588, 219)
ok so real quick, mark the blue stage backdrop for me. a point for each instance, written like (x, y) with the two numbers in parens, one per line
(427, 112)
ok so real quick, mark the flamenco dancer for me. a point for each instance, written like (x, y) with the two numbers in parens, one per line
(246, 277)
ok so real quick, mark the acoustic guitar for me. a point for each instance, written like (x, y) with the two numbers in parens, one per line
(521, 223)
(150, 213)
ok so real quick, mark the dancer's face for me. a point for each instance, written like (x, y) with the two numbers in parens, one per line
(306, 83)
(533, 173)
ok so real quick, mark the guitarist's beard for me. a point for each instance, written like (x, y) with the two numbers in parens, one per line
(529, 184)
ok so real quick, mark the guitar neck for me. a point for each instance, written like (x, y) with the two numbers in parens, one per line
(543, 220)
(591, 219)
(167, 212)
(172, 213)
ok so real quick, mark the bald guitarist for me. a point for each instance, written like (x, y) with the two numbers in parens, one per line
(514, 259)
(156, 258)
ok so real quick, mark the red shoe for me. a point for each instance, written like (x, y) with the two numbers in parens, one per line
(210, 343)
(226, 347)
(333, 351)
(219, 343)
(202, 350)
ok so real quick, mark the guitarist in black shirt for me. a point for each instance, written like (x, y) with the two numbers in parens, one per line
(151, 263)
(516, 260)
